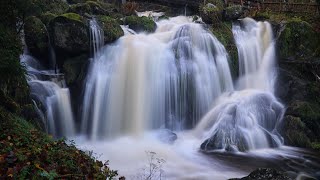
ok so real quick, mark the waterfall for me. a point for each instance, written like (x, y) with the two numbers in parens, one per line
(256, 51)
(168, 79)
(96, 37)
(48, 89)
(247, 119)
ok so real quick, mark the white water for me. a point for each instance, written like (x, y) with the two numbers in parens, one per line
(167, 79)
(48, 89)
(247, 119)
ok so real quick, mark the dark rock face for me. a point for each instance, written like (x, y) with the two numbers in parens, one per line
(265, 174)
(37, 40)
(75, 70)
(298, 83)
(70, 36)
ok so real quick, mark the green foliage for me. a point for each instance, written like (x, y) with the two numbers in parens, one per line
(140, 23)
(89, 7)
(111, 28)
(12, 73)
(36, 155)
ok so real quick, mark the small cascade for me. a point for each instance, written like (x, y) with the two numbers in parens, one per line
(256, 54)
(48, 90)
(168, 79)
(247, 119)
(96, 37)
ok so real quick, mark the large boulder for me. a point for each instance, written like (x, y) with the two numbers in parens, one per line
(37, 40)
(111, 28)
(70, 36)
(140, 23)
(211, 13)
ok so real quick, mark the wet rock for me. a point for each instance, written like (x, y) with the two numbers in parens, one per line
(75, 69)
(47, 17)
(37, 40)
(140, 23)
(70, 36)
(111, 28)
(265, 174)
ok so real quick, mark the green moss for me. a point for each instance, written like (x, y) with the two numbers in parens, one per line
(73, 16)
(298, 39)
(140, 23)
(111, 28)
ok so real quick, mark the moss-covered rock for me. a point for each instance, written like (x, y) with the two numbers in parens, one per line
(37, 40)
(233, 12)
(298, 40)
(89, 7)
(210, 13)
(140, 23)
(69, 36)
(111, 28)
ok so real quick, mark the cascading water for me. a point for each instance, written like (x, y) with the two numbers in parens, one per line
(168, 79)
(48, 89)
(247, 119)
(96, 37)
